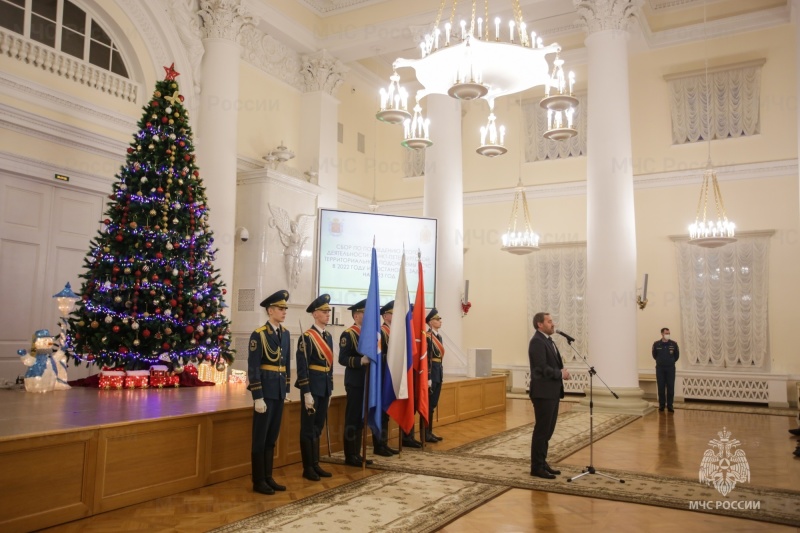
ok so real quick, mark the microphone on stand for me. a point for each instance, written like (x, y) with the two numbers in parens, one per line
(570, 340)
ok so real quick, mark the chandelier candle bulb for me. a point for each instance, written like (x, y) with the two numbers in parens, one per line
(463, 29)
(533, 39)
(511, 31)
(539, 42)
(644, 288)
(480, 27)
(497, 29)
(502, 134)
(523, 33)
(483, 135)
(447, 28)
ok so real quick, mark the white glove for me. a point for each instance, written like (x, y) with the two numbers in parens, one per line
(260, 406)
(309, 400)
(430, 383)
(364, 360)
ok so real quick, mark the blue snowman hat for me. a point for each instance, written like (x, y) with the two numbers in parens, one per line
(41, 334)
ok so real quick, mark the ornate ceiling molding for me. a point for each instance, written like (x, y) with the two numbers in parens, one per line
(223, 19)
(322, 72)
(266, 53)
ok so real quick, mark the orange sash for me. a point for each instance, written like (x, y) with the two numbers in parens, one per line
(322, 346)
(438, 344)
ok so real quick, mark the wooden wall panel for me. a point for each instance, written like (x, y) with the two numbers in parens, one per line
(230, 436)
(47, 480)
(140, 462)
(494, 396)
(447, 410)
(470, 399)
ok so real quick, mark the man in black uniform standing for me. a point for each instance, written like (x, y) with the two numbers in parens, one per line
(354, 379)
(546, 391)
(268, 373)
(380, 442)
(435, 369)
(315, 381)
(666, 354)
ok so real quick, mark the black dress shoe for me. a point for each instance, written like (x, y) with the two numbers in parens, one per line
(274, 485)
(411, 443)
(391, 450)
(795, 431)
(435, 436)
(262, 488)
(360, 460)
(552, 470)
(542, 474)
(670, 409)
(660, 409)
(431, 438)
(797, 452)
(383, 452)
(353, 461)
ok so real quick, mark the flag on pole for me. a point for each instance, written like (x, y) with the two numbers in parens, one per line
(399, 393)
(369, 345)
(418, 327)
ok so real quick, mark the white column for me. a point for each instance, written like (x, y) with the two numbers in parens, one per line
(444, 200)
(216, 129)
(319, 115)
(611, 230)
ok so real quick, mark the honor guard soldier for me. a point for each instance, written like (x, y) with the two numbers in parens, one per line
(435, 369)
(268, 371)
(381, 443)
(315, 381)
(354, 378)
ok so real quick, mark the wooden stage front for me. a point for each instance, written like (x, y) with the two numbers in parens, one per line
(71, 454)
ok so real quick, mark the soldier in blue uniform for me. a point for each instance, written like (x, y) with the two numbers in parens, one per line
(380, 442)
(435, 369)
(268, 372)
(666, 354)
(315, 381)
(354, 378)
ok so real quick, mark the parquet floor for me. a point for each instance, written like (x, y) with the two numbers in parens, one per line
(658, 443)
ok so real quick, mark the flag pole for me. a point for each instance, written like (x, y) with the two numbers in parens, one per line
(366, 426)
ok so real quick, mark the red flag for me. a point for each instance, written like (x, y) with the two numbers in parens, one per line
(420, 353)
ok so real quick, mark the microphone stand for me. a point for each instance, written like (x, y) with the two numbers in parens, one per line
(592, 372)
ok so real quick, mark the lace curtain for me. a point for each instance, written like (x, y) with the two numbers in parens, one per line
(557, 285)
(537, 148)
(734, 106)
(414, 163)
(723, 301)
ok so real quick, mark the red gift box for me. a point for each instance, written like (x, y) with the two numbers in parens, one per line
(137, 379)
(191, 370)
(111, 379)
(159, 376)
(173, 381)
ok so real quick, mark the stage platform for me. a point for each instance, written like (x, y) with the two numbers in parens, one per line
(71, 454)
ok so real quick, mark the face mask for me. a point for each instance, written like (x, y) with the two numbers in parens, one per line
(666, 337)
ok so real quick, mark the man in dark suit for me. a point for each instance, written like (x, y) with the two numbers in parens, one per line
(268, 371)
(546, 390)
(315, 381)
(354, 378)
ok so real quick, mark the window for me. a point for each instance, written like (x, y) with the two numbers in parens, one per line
(724, 301)
(64, 26)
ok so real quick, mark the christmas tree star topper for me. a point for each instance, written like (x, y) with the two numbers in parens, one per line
(171, 72)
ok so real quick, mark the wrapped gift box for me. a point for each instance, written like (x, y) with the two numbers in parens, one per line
(112, 379)
(209, 372)
(237, 376)
(191, 370)
(137, 379)
(173, 380)
(159, 376)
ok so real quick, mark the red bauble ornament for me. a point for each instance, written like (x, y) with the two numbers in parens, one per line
(159, 255)
(155, 277)
(130, 150)
(181, 144)
(160, 190)
(173, 302)
(119, 237)
(155, 103)
(146, 333)
(164, 120)
(158, 310)
(115, 269)
(138, 274)
(224, 291)
(165, 346)
(189, 329)
(148, 244)
(167, 281)
(180, 97)
(187, 157)
(115, 329)
(123, 349)
(196, 173)
(148, 124)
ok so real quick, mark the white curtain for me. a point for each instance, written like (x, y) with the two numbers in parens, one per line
(414, 163)
(537, 148)
(723, 301)
(557, 285)
(734, 105)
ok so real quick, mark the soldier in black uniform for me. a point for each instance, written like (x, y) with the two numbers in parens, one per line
(666, 354)
(380, 442)
(315, 381)
(435, 369)
(268, 372)
(354, 378)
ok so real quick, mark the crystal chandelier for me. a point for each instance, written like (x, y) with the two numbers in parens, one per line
(705, 232)
(479, 57)
(560, 104)
(522, 240)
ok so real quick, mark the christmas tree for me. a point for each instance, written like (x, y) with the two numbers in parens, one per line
(151, 293)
